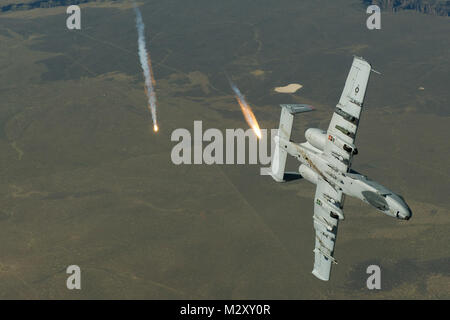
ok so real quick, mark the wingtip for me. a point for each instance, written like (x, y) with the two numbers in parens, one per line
(319, 276)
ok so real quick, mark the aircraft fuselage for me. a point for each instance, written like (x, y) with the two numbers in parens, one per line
(315, 165)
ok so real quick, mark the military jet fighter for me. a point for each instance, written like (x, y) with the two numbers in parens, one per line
(326, 158)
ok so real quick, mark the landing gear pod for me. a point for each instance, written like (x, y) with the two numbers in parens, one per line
(335, 211)
(349, 148)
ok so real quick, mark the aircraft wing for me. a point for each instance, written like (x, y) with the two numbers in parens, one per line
(341, 134)
(326, 228)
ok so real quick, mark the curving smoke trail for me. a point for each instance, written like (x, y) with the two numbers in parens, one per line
(144, 58)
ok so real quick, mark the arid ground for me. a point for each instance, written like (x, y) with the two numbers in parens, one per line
(85, 181)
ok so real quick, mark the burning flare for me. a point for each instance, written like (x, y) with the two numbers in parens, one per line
(246, 110)
(146, 65)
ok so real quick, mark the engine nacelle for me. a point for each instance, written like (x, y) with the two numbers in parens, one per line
(308, 174)
(316, 137)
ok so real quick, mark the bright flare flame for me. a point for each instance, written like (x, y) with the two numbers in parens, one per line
(247, 111)
(155, 127)
(250, 117)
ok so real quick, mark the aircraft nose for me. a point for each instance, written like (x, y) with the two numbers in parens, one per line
(402, 210)
(406, 214)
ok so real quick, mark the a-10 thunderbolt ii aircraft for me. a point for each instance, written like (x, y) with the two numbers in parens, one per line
(325, 161)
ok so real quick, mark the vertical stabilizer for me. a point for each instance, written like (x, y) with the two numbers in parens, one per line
(284, 133)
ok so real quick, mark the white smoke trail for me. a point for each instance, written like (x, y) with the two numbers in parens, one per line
(146, 66)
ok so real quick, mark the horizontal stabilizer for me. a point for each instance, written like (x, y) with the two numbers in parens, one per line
(297, 108)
